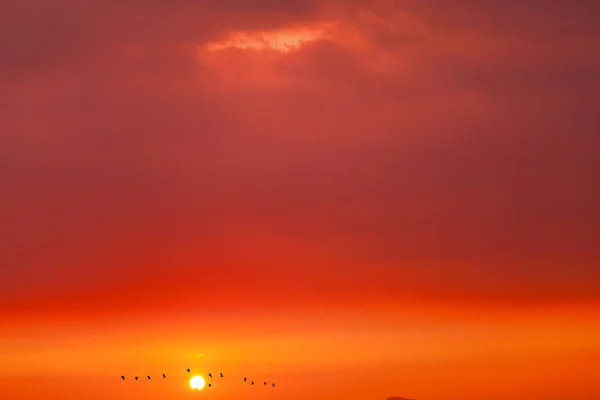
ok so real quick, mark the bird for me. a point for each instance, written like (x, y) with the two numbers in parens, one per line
(122, 377)
(210, 384)
(245, 379)
(164, 376)
(265, 383)
(252, 382)
(148, 376)
(210, 375)
(221, 374)
(188, 370)
(273, 385)
(136, 378)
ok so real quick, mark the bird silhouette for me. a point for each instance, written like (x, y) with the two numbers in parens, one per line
(122, 377)
(265, 383)
(210, 384)
(221, 374)
(164, 376)
(252, 382)
(245, 379)
(210, 375)
(148, 376)
(188, 370)
(136, 378)
(273, 385)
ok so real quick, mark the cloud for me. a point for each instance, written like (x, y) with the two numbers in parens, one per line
(439, 149)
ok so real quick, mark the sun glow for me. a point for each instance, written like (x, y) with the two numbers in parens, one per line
(197, 382)
(282, 40)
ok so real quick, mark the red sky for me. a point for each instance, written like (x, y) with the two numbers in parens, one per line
(359, 199)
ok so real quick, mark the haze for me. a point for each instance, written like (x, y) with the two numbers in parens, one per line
(355, 199)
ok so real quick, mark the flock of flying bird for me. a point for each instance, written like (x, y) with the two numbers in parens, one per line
(209, 375)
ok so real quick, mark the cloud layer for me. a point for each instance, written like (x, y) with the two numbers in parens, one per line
(398, 148)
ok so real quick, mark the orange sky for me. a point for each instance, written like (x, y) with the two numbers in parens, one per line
(356, 199)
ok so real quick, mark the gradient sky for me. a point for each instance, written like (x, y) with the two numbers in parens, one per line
(357, 199)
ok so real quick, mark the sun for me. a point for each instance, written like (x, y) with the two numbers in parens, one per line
(197, 382)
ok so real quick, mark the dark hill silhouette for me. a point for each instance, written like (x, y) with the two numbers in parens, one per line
(398, 398)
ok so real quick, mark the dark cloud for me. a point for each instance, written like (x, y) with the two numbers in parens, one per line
(556, 20)
(37, 35)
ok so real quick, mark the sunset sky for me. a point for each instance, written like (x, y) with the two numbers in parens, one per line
(354, 199)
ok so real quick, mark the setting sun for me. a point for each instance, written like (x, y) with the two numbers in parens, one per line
(197, 382)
